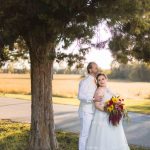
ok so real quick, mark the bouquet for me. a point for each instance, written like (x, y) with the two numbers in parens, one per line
(116, 110)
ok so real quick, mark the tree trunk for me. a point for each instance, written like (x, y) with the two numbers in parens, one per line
(42, 122)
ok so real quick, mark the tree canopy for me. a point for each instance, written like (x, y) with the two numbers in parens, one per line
(131, 37)
(69, 20)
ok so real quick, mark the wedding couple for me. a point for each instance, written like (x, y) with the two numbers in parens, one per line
(96, 132)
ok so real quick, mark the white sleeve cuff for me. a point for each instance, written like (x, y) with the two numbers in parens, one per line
(89, 101)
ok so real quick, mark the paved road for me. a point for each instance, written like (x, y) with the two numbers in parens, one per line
(66, 118)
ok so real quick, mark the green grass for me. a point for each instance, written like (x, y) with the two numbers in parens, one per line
(139, 106)
(56, 100)
(15, 136)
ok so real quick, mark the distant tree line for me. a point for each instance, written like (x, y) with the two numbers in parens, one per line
(24, 70)
(69, 70)
(134, 72)
(15, 71)
(11, 69)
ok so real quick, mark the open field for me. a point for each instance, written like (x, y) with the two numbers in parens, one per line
(65, 89)
(15, 136)
(63, 85)
(67, 86)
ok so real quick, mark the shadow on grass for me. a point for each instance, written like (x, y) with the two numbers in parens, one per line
(19, 141)
(15, 136)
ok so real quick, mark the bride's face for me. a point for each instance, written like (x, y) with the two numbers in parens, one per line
(102, 81)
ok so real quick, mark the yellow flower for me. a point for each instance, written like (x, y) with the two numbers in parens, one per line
(115, 99)
(110, 108)
(107, 101)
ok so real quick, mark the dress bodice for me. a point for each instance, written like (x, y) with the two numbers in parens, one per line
(107, 95)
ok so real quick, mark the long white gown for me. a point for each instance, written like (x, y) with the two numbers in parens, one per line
(103, 135)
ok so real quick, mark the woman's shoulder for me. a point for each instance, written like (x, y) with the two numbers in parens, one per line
(100, 90)
(103, 90)
(109, 90)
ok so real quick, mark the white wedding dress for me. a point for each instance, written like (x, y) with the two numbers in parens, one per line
(103, 135)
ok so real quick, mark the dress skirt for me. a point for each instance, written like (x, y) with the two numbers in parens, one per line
(104, 136)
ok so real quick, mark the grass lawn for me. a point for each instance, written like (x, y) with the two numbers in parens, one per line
(140, 106)
(15, 136)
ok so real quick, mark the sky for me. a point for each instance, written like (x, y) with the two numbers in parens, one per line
(102, 57)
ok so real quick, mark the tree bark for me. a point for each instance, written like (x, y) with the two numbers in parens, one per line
(42, 122)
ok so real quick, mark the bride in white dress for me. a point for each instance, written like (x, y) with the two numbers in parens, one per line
(103, 135)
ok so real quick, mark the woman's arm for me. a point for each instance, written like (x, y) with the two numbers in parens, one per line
(98, 99)
(99, 106)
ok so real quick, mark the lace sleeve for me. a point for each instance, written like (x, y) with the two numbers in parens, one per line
(98, 96)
